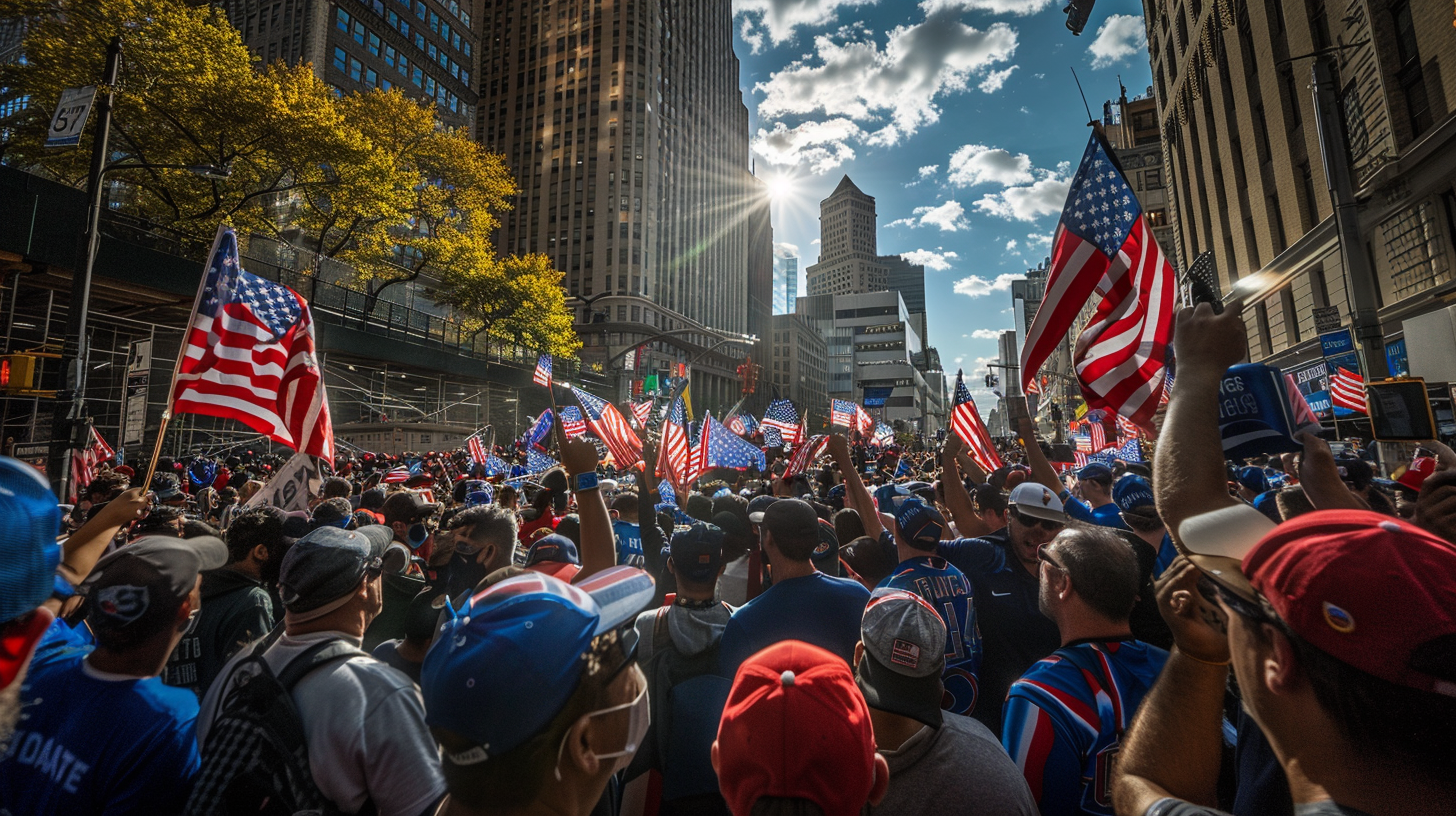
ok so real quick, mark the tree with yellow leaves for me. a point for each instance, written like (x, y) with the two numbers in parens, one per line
(525, 305)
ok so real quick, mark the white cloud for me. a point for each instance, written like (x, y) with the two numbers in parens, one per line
(751, 35)
(1011, 245)
(928, 170)
(784, 249)
(973, 286)
(1021, 7)
(779, 18)
(1044, 196)
(931, 259)
(897, 85)
(814, 242)
(994, 80)
(822, 146)
(1025, 109)
(978, 164)
(1119, 37)
(987, 334)
(960, 360)
(949, 217)
(1036, 240)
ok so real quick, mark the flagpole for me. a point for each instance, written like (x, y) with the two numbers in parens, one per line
(181, 353)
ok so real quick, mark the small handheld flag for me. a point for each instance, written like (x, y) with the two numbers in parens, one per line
(543, 371)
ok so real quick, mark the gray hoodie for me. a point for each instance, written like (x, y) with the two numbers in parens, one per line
(957, 768)
(693, 631)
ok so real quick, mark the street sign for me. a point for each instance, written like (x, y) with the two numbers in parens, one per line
(138, 380)
(1326, 319)
(70, 117)
(33, 454)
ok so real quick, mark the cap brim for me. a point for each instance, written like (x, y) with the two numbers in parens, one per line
(1217, 541)
(1040, 513)
(756, 518)
(918, 698)
(556, 569)
(620, 593)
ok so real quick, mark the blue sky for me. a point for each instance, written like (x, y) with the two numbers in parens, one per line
(960, 117)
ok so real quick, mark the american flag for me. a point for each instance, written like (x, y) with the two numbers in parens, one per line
(863, 422)
(84, 462)
(781, 419)
(719, 448)
(399, 475)
(771, 437)
(609, 426)
(1103, 246)
(1079, 459)
(1083, 443)
(249, 356)
(494, 466)
(477, 449)
(1126, 430)
(803, 455)
(1347, 390)
(1131, 451)
(677, 459)
(742, 424)
(642, 411)
(1304, 417)
(537, 462)
(884, 435)
(543, 371)
(1098, 434)
(538, 430)
(571, 422)
(842, 412)
(666, 493)
(965, 420)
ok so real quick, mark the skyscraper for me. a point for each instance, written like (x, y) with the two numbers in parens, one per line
(425, 48)
(626, 131)
(847, 263)
(785, 283)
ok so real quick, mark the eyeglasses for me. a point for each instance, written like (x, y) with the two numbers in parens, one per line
(374, 569)
(1252, 610)
(1042, 555)
(1033, 522)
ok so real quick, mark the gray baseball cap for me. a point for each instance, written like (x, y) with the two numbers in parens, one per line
(324, 568)
(904, 641)
(147, 580)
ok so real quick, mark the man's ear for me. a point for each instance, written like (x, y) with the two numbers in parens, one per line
(859, 651)
(882, 779)
(1280, 668)
(578, 751)
(260, 554)
(713, 756)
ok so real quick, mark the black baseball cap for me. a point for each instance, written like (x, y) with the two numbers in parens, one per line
(406, 505)
(145, 581)
(324, 568)
(697, 552)
(791, 518)
(756, 507)
(826, 553)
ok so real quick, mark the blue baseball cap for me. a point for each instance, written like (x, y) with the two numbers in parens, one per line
(554, 555)
(1096, 470)
(29, 554)
(508, 661)
(1254, 479)
(697, 552)
(918, 520)
(889, 497)
(1131, 493)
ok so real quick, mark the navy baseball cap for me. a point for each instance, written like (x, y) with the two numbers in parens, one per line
(1132, 493)
(554, 555)
(918, 520)
(826, 553)
(757, 506)
(1096, 470)
(697, 552)
(1254, 479)
(508, 661)
(29, 554)
(324, 568)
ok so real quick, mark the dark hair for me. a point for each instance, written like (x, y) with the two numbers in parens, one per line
(107, 485)
(737, 505)
(1143, 519)
(490, 524)
(869, 559)
(700, 507)
(335, 487)
(195, 528)
(848, 525)
(988, 497)
(626, 503)
(227, 496)
(514, 779)
(506, 492)
(259, 526)
(158, 522)
(796, 548)
(1102, 567)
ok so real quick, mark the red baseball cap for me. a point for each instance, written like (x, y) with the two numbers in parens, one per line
(1419, 470)
(1370, 590)
(796, 726)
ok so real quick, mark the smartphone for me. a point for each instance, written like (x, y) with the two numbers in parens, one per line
(1202, 279)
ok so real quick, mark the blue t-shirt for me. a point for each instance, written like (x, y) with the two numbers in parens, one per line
(1105, 516)
(629, 544)
(949, 592)
(1065, 717)
(96, 745)
(817, 609)
(1166, 553)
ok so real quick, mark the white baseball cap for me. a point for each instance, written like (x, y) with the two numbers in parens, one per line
(1038, 501)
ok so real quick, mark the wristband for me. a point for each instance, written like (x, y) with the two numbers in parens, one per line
(1205, 662)
(584, 481)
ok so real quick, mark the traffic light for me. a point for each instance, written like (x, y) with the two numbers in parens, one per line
(1077, 12)
(17, 373)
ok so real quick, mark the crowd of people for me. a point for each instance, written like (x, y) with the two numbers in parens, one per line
(887, 632)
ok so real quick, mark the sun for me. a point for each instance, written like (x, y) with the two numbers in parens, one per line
(781, 187)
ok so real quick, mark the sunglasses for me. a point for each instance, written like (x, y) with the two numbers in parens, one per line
(1032, 522)
(1244, 608)
(1043, 555)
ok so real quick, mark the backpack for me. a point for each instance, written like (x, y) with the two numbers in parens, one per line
(685, 720)
(256, 757)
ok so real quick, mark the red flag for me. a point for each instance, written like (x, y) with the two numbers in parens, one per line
(1347, 390)
(249, 356)
(803, 455)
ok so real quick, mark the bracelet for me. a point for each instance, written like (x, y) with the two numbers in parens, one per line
(1205, 662)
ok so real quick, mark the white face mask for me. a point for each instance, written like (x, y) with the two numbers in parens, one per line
(641, 717)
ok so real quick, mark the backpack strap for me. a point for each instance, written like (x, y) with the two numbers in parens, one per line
(661, 638)
(315, 657)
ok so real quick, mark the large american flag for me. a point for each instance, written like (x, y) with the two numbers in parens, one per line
(1103, 247)
(571, 422)
(537, 462)
(781, 419)
(965, 420)
(249, 356)
(1347, 390)
(608, 424)
(720, 448)
(477, 449)
(543, 371)
(843, 412)
(677, 460)
(803, 455)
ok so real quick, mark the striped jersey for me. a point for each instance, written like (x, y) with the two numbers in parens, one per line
(1065, 717)
(949, 592)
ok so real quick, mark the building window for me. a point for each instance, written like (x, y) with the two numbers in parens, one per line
(1415, 249)
(1153, 178)
(341, 60)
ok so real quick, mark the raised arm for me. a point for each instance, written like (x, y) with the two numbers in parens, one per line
(1041, 468)
(86, 546)
(957, 499)
(1188, 469)
(598, 545)
(856, 495)
(1319, 476)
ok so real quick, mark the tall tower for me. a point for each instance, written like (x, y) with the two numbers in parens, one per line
(848, 262)
(624, 126)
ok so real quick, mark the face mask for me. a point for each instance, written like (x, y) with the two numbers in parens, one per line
(418, 532)
(641, 717)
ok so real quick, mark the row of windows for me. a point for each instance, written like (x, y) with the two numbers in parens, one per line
(363, 36)
(359, 73)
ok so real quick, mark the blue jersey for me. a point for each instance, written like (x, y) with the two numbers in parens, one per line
(1064, 720)
(629, 544)
(1105, 516)
(818, 609)
(948, 592)
(95, 743)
